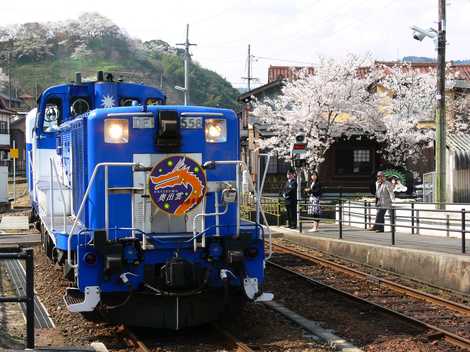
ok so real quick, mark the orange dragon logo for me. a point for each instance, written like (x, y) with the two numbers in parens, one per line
(177, 184)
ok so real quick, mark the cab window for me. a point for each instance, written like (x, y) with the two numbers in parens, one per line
(128, 101)
(153, 101)
(52, 114)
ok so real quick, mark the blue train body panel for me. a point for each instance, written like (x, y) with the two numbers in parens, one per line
(140, 202)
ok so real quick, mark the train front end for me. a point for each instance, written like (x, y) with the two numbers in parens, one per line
(158, 239)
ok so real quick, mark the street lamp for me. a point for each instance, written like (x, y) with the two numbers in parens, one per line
(439, 37)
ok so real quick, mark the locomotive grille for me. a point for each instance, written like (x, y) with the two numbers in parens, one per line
(79, 166)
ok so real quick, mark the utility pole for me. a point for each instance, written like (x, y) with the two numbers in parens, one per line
(9, 79)
(440, 180)
(249, 78)
(187, 58)
(249, 67)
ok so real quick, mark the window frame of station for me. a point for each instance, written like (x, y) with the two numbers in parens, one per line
(4, 120)
(350, 162)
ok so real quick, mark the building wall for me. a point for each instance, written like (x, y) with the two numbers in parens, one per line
(350, 165)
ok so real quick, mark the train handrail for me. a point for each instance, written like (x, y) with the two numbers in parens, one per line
(85, 197)
(239, 163)
(204, 215)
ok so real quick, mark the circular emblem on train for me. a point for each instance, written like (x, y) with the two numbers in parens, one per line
(177, 184)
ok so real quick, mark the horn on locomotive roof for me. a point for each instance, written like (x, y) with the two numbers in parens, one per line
(100, 76)
(78, 78)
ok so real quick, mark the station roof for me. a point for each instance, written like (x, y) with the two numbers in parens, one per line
(460, 144)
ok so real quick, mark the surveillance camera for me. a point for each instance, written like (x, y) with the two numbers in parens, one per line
(420, 33)
(300, 138)
(418, 36)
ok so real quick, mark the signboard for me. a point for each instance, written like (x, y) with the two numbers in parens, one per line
(14, 153)
(177, 184)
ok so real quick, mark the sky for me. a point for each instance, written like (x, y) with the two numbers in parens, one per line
(280, 32)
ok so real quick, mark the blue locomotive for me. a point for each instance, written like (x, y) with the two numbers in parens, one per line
(139, 201)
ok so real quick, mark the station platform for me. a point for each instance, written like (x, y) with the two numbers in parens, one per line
(25, 239)
(436, 260)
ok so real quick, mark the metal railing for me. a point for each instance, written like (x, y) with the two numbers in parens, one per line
(349, 213)
(15, 253)
(85, 198)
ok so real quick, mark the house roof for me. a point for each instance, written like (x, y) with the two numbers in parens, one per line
(277, 74)
(263, 130)
(261, 89)
(459, 72)
(4, 109)
(287, 72)
(6, 97)
(460, 144)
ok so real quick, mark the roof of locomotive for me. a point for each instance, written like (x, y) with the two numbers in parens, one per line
(128, 89)
(186, 109)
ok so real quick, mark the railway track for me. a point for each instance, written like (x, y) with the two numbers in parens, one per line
(446, 319)
(138, 345)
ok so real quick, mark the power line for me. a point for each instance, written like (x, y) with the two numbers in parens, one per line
(284, 60)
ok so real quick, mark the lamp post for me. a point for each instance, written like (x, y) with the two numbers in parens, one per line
(439, 37)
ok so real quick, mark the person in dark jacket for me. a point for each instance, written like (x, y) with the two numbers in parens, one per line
(289, 194)
(314, 193)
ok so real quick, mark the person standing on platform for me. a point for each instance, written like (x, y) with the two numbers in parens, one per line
(314, 193)
(384, 197)
(289, 193)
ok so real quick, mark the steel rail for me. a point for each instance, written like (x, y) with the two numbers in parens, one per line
(457, 307)
(131, 340)
(448, 336)
(239, 346)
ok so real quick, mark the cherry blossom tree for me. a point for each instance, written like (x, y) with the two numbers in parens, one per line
(458, 113)
(355, 98)
(333, 102)
(406, 97)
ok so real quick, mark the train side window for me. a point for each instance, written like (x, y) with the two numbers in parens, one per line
(52, 114)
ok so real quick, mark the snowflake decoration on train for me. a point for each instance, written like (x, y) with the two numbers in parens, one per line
(108, 101)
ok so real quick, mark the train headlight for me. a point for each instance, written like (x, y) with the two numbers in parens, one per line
(216, 130)
(116, 131)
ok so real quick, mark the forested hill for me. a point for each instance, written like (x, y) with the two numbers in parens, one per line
(50, 53)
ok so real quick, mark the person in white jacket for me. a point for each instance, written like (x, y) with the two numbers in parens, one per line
(384, 196)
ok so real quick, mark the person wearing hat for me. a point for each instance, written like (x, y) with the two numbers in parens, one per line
(384, 197)
(289, 193)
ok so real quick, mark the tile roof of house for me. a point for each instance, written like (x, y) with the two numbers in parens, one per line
(461, 72)
(258, 90)
(4, 109)
(277, 74)
(4, 96)
(286, 72)
(461, 146)
(458, 142)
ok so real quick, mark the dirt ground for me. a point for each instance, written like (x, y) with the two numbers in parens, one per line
(12, 322)
(22, 195)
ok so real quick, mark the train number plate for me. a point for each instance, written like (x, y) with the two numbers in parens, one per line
(191, 122)
(142, 122)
